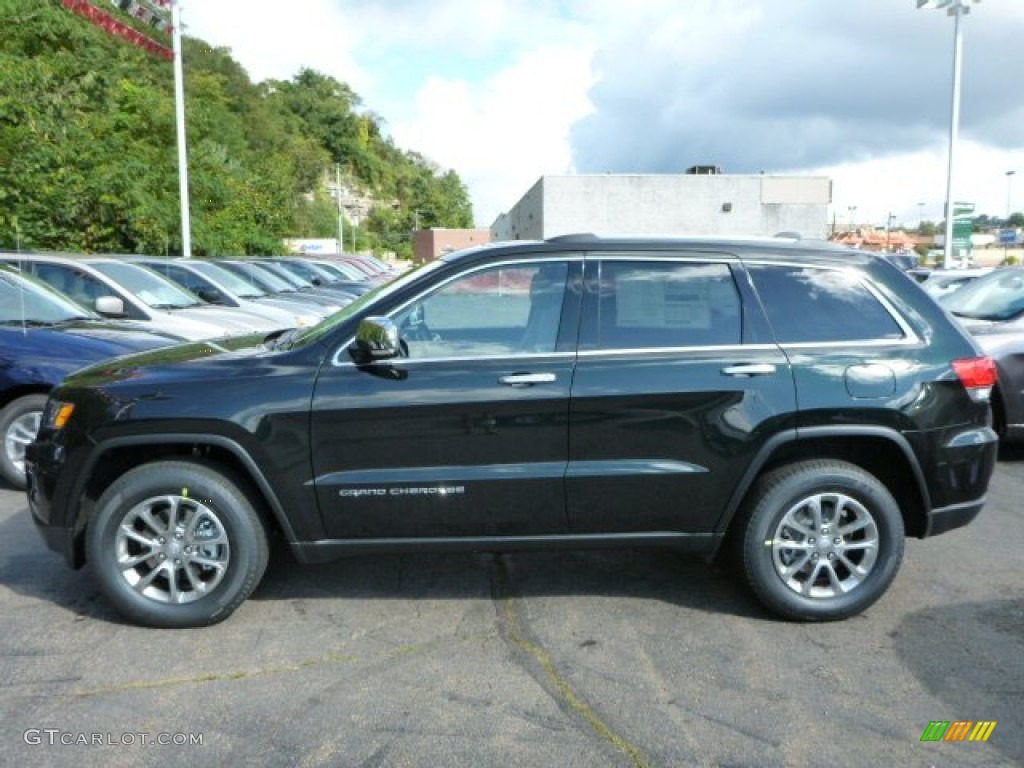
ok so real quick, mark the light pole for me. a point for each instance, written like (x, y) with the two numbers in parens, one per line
(888, 230)
(179, 109)
(341, 220)
(956, 9)
(1009, 188)
(852, 209)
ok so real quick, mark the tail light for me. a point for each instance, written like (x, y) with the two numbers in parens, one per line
(978, 375)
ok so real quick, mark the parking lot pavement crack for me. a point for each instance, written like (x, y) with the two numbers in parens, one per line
(241, 674)
(535, 659)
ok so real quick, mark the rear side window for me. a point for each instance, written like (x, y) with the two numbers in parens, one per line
(658, 304)
(811, 304)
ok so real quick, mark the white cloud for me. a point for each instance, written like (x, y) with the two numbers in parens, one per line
(276, 40)
(501, 135)
(504, 91)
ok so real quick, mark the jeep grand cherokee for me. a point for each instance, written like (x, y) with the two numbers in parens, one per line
(805, 405)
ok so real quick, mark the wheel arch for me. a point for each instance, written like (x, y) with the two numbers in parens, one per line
(881, 451)
(8, 396)
(115, 456)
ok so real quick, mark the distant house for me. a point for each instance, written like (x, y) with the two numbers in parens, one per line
(869, 239)
(428, 244)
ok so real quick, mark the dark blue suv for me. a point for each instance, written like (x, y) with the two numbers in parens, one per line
(44, 337)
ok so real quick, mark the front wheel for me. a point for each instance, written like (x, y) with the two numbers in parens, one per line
(176, 544)
(19, 423)
(823, 540)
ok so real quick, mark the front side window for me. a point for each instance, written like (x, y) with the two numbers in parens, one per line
(495, 312)
(816, 305)
(660, 304)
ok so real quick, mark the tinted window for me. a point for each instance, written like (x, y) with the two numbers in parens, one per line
(509, 310)
(647, 305)
(810, 304)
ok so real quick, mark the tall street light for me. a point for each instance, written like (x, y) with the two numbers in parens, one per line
(179, 112)
(956, 9)
(1009, 188)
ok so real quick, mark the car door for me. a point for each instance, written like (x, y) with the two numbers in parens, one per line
(468, 434)
(676, 385)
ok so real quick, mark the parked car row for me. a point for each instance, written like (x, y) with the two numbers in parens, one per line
(61, 312)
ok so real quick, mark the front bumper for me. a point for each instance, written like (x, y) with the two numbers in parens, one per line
(50, 500)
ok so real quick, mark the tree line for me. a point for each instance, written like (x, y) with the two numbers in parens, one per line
(88, 159)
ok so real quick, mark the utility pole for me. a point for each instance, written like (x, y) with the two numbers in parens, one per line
(341, 221)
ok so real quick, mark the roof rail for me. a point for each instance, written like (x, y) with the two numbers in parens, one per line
(573, 237)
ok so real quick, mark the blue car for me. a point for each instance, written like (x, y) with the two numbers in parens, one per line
(44, 337)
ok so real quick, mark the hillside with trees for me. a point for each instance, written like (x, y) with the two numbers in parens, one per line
(88, 160)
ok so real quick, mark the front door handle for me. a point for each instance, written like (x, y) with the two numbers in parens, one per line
(527, 379)
(746, 370)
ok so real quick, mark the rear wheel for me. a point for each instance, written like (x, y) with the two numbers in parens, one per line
(823, 540)
(176, 544)
(19, 424)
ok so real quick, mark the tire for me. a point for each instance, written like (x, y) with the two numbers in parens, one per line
(790, 564)
(193, 573)
(19, 423)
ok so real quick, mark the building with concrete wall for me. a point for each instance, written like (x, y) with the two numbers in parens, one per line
(669, 204)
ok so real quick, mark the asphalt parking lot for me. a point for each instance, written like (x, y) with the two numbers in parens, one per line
(566, 659)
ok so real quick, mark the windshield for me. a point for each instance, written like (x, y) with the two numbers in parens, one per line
(266, 278)
(357, 306)
(146, 285)
(227, 279)
(25, 300)
(342, 271)
(306, 270)
(998, 295)
(286, 274)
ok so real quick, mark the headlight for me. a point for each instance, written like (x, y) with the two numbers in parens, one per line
(56, 414)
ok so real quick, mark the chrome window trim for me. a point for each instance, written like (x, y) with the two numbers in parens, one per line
(701, 257)
(336, 360)
(713, 348)
(910, 337)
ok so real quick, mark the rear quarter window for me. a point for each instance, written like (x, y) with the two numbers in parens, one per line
(819, 305)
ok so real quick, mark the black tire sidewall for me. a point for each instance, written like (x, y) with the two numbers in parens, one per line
(784, 489)
(246, 539)
(14, 410)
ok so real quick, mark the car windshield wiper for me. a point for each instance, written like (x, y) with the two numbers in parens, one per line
(75, 318)
(31, 321)
(173, 306)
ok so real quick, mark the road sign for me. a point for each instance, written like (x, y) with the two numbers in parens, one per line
(963, 225)
(1007, 236)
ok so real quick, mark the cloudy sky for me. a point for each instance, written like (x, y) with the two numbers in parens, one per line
(505, 91)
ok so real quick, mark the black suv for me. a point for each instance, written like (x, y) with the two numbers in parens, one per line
(808, 406)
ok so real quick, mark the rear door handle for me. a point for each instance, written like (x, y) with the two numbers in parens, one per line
(527, 379)
(745, 370)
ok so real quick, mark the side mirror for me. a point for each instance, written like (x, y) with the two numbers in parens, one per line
(110, 305)
(317, 282)
(376, 339)
(210, 295)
